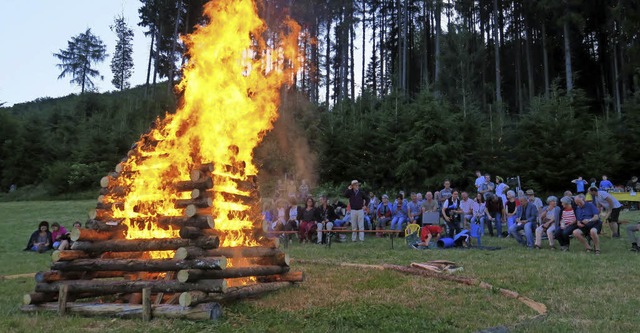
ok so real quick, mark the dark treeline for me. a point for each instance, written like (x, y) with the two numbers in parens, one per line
(547, 90)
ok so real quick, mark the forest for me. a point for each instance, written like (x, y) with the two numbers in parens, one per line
(545, 90)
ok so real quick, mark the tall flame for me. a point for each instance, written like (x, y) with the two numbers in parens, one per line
(230, 96)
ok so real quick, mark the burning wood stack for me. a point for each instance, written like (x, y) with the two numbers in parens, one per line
(148, 277)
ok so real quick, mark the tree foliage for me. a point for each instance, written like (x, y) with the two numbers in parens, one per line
(77, 60)
(122, 61)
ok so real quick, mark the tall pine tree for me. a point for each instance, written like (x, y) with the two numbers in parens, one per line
(82, 52)
(122, 61)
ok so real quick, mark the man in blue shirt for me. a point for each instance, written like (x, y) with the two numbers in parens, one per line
(527, 214)
(588, 223)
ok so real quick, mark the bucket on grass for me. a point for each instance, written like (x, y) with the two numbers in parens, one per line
(445, 243)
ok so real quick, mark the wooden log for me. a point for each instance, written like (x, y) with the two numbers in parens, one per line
(63, 291)
(81, 234)
(203, 184)
(105, 181)
(115, 191)
(146, 304)
(68, 255)
(279, 259)
(246, 200)
(198, 193)
(296, 276)
(53, 276)
(37, 298)
(188, 275)
(110, 205)
(190, 233)
(154, 244)
(206, 311)
(191, 298)
(132, 265)
(198, 203)
(110, 225)
(111, 286)
(124, 255)
(200, 222)
(229, 252)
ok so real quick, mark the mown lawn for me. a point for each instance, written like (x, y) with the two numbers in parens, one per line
(583, 292)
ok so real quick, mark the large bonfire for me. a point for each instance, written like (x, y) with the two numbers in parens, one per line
(230, 95)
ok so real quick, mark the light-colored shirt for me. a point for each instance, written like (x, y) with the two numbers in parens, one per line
(430, 206)
(479, 181)
(467, 206)
(601, 199)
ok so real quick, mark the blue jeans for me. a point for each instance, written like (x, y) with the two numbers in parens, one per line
(397, 221)
(511, 221)
(498, 225)
(514, 231)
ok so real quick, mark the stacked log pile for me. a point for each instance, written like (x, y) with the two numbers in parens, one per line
(106, 274)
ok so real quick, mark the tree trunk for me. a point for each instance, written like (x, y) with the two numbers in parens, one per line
(545, 61)
(527, 49)
(496, 48)
(328, 64)
(436, 78)
(153, 37)
(364, 44)
(567, 56)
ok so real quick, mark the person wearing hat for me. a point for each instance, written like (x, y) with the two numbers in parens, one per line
(537, 202)
(357, 201)
(383, 212)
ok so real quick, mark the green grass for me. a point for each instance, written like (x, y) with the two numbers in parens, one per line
(583, 293)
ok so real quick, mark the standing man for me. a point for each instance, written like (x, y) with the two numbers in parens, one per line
(357, 201)
(610, 205)
(487, 187)
(580, 183)
(479, 179)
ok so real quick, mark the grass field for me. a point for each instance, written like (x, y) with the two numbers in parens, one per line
(583, 292)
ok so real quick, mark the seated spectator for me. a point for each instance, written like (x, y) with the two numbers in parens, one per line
(452, 214)
(343, 219)
(633, 185)
(327, 216)
(526, 220)
(399, 214)
(292, 190)
(550, 217)
(466, 205)
(280, 215)
(267, 214)
(420, 199)
(605, 184)
(588, 223)
(414, 209)
(303, 190)
(373, 205)
(631, 233)
(308, 220)
(383, 212)
(479, 212)
(567, 223)
(610, 206)
(511, 206)
(537, 202)
(429, 204)
(294, 214)
(438, 199)
(40, 240)
(59, 236)
(495, 213)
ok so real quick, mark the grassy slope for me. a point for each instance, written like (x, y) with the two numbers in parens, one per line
(583, 293)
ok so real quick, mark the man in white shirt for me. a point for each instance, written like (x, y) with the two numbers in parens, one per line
(610, 206)
(466, 205)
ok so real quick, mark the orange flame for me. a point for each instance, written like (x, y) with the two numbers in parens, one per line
(230, 95)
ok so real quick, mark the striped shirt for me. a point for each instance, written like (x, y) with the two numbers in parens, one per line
(568, 217)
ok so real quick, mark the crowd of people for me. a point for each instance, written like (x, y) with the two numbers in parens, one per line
(494, 207)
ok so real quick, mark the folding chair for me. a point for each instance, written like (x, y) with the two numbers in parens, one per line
(412, 234)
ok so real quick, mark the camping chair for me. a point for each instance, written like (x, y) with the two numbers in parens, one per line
(412, 234)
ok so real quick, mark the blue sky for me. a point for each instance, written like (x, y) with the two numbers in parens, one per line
(31, 31)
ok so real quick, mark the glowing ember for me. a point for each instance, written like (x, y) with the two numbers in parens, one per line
(230, 97)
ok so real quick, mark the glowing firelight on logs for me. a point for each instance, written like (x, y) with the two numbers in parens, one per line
(230, 96)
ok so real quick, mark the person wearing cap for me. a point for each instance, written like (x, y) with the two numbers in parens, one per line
(327, 216)
(527, 215)
(383, 212)
(610, 206)
(537, 202)
(550, 217)
(357, 201)
(588, 223)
